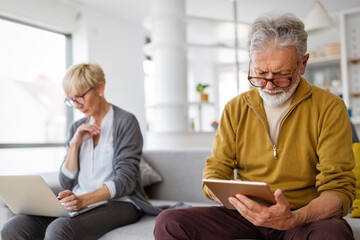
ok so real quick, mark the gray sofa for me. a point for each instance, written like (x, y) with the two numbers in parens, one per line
(181, 172)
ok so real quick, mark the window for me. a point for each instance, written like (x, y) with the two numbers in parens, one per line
(228, 88)
(34, 118)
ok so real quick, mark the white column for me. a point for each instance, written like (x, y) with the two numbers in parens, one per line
(168, 42)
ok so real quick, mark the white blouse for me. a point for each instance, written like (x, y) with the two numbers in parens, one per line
(96, 166)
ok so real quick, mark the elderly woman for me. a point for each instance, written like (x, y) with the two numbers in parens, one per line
(101, 167)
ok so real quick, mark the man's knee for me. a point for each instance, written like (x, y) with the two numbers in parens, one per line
(178, 216)
(170, 223)
(333, 228)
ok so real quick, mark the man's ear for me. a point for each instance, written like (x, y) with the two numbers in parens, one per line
(304, 61)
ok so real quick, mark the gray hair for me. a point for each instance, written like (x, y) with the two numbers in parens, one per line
(284, 30)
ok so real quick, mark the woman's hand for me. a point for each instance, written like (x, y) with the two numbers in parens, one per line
(70, 201)
(84, 132)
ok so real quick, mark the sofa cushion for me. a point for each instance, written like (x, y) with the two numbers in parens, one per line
(181, 171)
(148, 174)
(355, 225)
(143, 229)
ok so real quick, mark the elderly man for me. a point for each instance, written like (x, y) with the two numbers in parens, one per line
(286, 132)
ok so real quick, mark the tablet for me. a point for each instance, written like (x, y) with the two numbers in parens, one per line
(257, 191)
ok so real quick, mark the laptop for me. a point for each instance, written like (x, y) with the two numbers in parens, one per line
(31, 195)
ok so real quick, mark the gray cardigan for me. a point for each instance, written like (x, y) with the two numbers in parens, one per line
(128, 144)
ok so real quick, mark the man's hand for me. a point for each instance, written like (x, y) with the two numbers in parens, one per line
(213, 197)
(277, 216)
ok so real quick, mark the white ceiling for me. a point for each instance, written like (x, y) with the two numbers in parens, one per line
(248, 10)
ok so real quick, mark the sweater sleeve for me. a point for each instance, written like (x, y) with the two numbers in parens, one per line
(222, 162)
(66, 181)
(127, 151)
(336, 159)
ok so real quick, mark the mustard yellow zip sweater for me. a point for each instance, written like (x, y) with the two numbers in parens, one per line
(313, 153)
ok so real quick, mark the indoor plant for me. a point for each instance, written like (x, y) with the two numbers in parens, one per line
(200, 88)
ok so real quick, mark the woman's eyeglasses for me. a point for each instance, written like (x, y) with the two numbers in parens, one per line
(79, 99)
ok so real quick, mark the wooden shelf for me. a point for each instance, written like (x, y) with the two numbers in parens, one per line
(201, 103)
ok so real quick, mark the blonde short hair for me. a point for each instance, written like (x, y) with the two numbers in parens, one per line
(81, 76)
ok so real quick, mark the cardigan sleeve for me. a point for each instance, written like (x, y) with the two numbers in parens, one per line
(128, 144)
(67, 182)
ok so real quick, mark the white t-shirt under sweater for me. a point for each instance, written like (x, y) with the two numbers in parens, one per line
(275, 115)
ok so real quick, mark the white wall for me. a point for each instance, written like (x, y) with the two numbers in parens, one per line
(57, 15)
(98, 36)
(117, 45)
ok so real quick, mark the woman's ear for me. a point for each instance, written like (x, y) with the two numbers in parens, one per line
(101, 89)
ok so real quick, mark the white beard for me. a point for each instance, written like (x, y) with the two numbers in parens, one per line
(279, 98)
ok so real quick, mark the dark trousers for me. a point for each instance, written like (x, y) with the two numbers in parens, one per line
(219, 223)
(89, 225)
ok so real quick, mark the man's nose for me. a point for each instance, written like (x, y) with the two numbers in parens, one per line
(269, 85)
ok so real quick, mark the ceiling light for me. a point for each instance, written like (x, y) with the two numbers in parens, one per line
(317, 18)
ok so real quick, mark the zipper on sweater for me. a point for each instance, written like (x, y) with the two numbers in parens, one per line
(267, 130)
(274, 147)
(285, 117)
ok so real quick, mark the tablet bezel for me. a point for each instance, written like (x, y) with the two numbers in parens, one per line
(257, 191)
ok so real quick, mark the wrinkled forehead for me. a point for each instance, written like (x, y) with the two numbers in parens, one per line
(275, 58)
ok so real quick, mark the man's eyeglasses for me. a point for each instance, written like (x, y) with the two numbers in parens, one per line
(79, 99)
(282, 81)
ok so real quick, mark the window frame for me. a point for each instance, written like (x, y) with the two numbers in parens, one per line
(69, 111)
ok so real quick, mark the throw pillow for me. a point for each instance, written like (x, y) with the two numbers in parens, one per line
(356, 204)
(148, 174)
